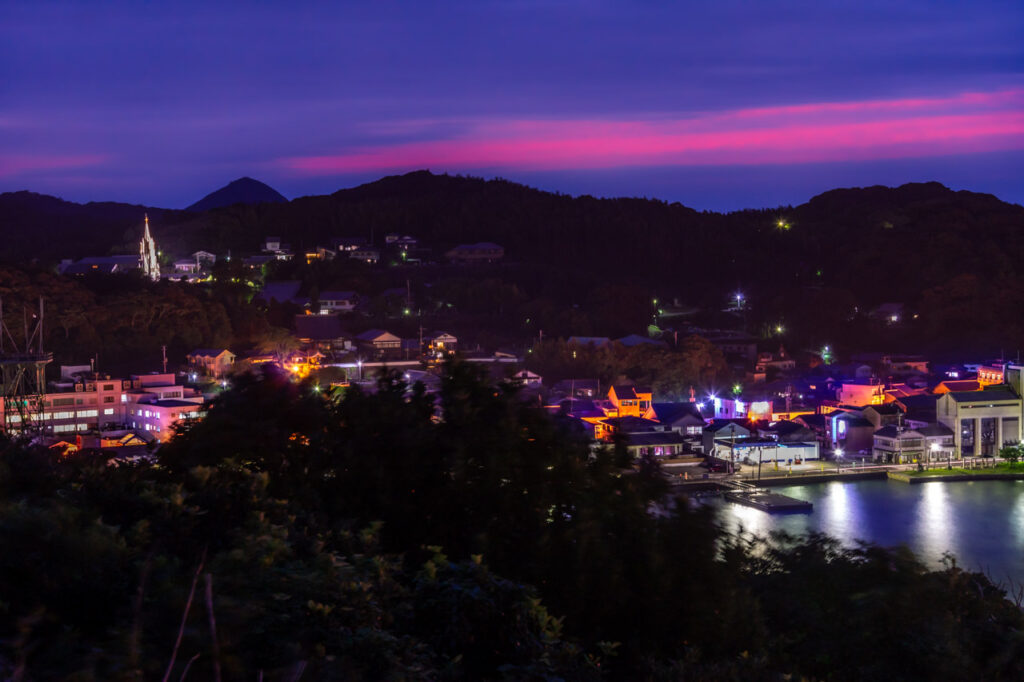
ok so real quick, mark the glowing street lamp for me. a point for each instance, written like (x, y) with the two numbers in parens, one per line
(934, 447)
(839, 458)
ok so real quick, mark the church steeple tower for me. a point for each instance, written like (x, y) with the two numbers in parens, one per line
(147, 254)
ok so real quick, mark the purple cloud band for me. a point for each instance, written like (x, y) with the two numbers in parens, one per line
(970, 122)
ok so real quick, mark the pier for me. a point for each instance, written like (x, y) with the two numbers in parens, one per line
(748, 495)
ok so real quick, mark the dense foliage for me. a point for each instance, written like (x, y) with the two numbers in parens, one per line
(393, 536)
(123, 320)
(818, 268)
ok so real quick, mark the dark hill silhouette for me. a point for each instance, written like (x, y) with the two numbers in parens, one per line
(870, 245)
(241, 191)
(38, 226)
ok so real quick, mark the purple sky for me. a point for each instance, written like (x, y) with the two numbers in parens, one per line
(719, 105)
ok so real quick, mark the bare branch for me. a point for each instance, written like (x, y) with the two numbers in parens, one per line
(184, 617)
(187, 666)
(213, 627)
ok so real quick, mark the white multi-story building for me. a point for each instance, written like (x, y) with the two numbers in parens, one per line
(84, 401)
(80, 401)
(155, 404)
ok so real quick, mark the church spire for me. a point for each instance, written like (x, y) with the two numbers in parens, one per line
(147, 253)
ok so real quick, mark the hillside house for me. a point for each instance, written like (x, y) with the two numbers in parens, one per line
(481, 252)
(380, 343)
(629, 401)
(332, 301)
(214, 362)
(441, 344)
(324, 333)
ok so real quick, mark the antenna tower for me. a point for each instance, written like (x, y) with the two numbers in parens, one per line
(23, 374)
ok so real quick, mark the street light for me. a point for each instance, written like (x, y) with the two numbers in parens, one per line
(934, 448)
(360, 363)
(839, 457)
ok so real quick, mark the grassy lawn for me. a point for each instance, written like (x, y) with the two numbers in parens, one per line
(1002, 468)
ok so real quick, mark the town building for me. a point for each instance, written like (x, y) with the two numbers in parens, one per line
(441, 344)
(861, 392)
(366, 254)
(333, 301)
(721, 428)
(755, 450)
(324, 333)
(379, 343)
(683, 418)
(991, 375)
(156, 404)
(81, 400)
(981, 421)
(850, 432)
(577, 388)
(145, 260)
(629, 401)
(527, 378)
(214, 362)
(347, 244)
(481, 252)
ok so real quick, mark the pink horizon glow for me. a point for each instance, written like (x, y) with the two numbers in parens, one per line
(14, 165)
(819, 132)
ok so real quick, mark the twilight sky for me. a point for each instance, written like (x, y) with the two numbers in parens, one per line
(720, 105)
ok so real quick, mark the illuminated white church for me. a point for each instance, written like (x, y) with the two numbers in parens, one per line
(146, 261)
(147, 254)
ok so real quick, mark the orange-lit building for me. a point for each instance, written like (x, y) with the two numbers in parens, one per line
(870, 392)
(989, 375)
(630, 401)
(959, 386)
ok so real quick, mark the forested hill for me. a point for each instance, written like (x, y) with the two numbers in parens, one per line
(40, 227)
(879, 243)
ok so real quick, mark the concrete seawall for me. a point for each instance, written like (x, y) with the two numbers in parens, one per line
(913, 480)
(776, 481)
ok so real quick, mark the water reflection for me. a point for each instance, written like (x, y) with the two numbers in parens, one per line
(841, 511)
(749, 519)
(1017, 521)
(934, 523)
(981, 522)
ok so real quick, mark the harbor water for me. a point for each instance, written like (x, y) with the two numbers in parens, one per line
(981, 523)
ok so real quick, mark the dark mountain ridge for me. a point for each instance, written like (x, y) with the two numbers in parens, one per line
(880, 243)
(43, 227)
(241, 191)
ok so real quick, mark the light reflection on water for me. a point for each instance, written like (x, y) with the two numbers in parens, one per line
(935, 525)
(980, 522)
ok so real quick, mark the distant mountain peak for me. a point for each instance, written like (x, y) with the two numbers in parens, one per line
(241, 191)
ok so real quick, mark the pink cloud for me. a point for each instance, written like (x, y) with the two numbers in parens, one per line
(12, 165)
(874, 129)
